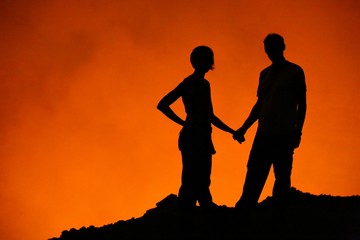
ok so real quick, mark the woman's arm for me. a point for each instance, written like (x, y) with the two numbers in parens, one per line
(221, 125)
(164, 106)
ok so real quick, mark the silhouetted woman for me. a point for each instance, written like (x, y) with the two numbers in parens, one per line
(195, 141)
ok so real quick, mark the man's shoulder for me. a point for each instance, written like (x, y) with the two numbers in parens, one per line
(265, 70)
(294, 66)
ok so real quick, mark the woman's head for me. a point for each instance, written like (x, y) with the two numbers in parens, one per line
(202, 58)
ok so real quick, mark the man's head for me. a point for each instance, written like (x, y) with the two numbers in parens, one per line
(274, 47)
(202, 58)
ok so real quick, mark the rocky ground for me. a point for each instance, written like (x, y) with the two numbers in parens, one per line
(307, 216)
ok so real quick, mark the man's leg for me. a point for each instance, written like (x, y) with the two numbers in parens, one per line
(282, 171)
(257, 173)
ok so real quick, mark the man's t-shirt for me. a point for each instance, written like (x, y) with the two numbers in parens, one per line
(280, 89)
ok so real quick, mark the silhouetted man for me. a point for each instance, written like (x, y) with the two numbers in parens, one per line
(280, 110)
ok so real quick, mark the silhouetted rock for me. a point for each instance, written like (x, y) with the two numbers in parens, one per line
(305, 216)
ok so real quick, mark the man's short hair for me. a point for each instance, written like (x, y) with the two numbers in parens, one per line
(274, 39)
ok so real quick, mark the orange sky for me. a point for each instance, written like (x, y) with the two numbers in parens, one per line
(81, 140)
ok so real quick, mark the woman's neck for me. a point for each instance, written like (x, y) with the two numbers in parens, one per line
(199, 74)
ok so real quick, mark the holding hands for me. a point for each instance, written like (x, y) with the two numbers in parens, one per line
(238, 135)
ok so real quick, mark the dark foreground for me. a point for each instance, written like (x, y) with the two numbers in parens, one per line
(305, 217)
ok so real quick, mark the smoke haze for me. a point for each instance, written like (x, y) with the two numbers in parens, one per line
(81, 141)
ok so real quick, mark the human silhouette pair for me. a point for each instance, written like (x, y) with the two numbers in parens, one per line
(280, 111)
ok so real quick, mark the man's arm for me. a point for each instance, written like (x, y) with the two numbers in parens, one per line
(301, 109)
(300, 119)
(253, 116)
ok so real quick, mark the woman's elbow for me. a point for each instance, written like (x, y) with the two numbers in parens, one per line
(159, 107)
(162, 106)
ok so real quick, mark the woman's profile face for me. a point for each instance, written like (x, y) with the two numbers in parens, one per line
(205, 65)
(202, 58)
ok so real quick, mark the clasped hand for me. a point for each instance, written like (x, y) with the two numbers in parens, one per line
(239, 136)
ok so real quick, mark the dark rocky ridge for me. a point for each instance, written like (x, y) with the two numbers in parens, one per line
(307, 216)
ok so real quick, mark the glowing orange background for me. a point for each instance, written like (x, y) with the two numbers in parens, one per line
(81, 141)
